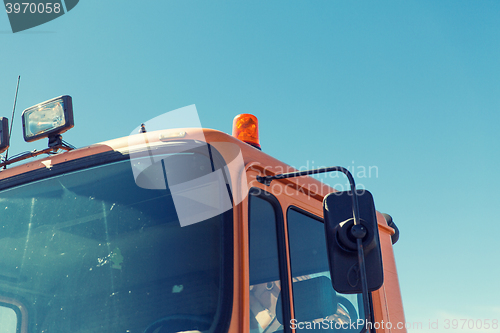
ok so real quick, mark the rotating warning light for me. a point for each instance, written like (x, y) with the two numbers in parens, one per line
(246, 129)
(48, 119)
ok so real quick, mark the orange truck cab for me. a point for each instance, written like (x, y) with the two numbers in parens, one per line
(179, 230)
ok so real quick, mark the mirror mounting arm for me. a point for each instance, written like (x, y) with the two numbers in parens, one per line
(358, 231)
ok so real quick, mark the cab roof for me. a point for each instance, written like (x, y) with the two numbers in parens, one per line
(252, 157)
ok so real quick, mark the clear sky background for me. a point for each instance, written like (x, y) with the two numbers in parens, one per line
(411, 88)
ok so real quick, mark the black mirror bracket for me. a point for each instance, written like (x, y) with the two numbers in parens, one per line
(357, 231)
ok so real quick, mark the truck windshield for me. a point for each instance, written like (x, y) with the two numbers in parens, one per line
(90, 251)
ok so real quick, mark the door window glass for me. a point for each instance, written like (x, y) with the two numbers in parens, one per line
(317, 305)
(265, 283)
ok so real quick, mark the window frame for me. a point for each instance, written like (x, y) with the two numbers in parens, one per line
(281, 238)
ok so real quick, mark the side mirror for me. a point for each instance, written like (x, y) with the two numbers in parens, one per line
(4, 134)
(342, 243)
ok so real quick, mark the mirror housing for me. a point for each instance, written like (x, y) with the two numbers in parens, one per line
(342, 245)
(4, 134)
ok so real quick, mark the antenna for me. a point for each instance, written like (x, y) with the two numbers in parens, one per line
(12, 119)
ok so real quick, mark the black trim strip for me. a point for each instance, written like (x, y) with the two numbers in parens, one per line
(225, 308)
(64, 167)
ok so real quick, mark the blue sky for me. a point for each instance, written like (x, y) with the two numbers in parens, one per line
(409, 87)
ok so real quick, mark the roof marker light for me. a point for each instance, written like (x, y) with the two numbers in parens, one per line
(246, 129)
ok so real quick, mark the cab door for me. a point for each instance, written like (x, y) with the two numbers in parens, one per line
(290, 285)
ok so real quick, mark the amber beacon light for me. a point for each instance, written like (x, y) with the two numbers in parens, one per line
(246, 129)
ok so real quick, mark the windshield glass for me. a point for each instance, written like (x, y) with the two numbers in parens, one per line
(90, 251)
